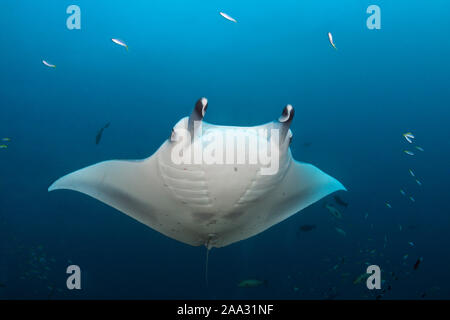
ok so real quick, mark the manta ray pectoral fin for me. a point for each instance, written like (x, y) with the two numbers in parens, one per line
(132, 187)
(303, 185)
(136, 189)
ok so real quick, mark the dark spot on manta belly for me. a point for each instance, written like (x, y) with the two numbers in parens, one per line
(233, 215)
(202, 216)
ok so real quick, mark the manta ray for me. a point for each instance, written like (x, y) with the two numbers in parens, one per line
(211, 204)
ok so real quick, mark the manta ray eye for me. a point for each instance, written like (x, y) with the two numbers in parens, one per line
(290, 140)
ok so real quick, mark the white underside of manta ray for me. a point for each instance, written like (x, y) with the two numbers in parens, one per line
(205, 204)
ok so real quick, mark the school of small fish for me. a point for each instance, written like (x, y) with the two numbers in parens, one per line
(37, 268)
(409, 136)
(372, 253)
(4, 143)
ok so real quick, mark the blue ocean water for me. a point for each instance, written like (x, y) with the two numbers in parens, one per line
(352, 107)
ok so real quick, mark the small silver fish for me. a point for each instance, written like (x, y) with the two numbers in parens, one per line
(408, 136)
(226, 16)
(340, 231)
(412, 199)
(411, 173)
(402, 192)
(418, 182)
(48, 64)
(388, 205)
(409, 152)
(330, 38)
(120, 43)
(361, 278)
(334, 211)
(420, 148)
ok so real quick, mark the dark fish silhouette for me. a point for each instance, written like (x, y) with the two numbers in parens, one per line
(416, 265)
(340, 202)
(100, 133)
(307, 227)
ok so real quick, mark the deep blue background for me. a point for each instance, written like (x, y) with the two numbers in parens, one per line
(352, 106)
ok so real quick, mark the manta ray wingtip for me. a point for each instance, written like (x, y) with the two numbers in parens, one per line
(64, 182)
(336, 185)
(339, 186)
(53, 186)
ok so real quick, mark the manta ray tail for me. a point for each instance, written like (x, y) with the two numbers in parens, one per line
(208, 248)
(206, 266)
